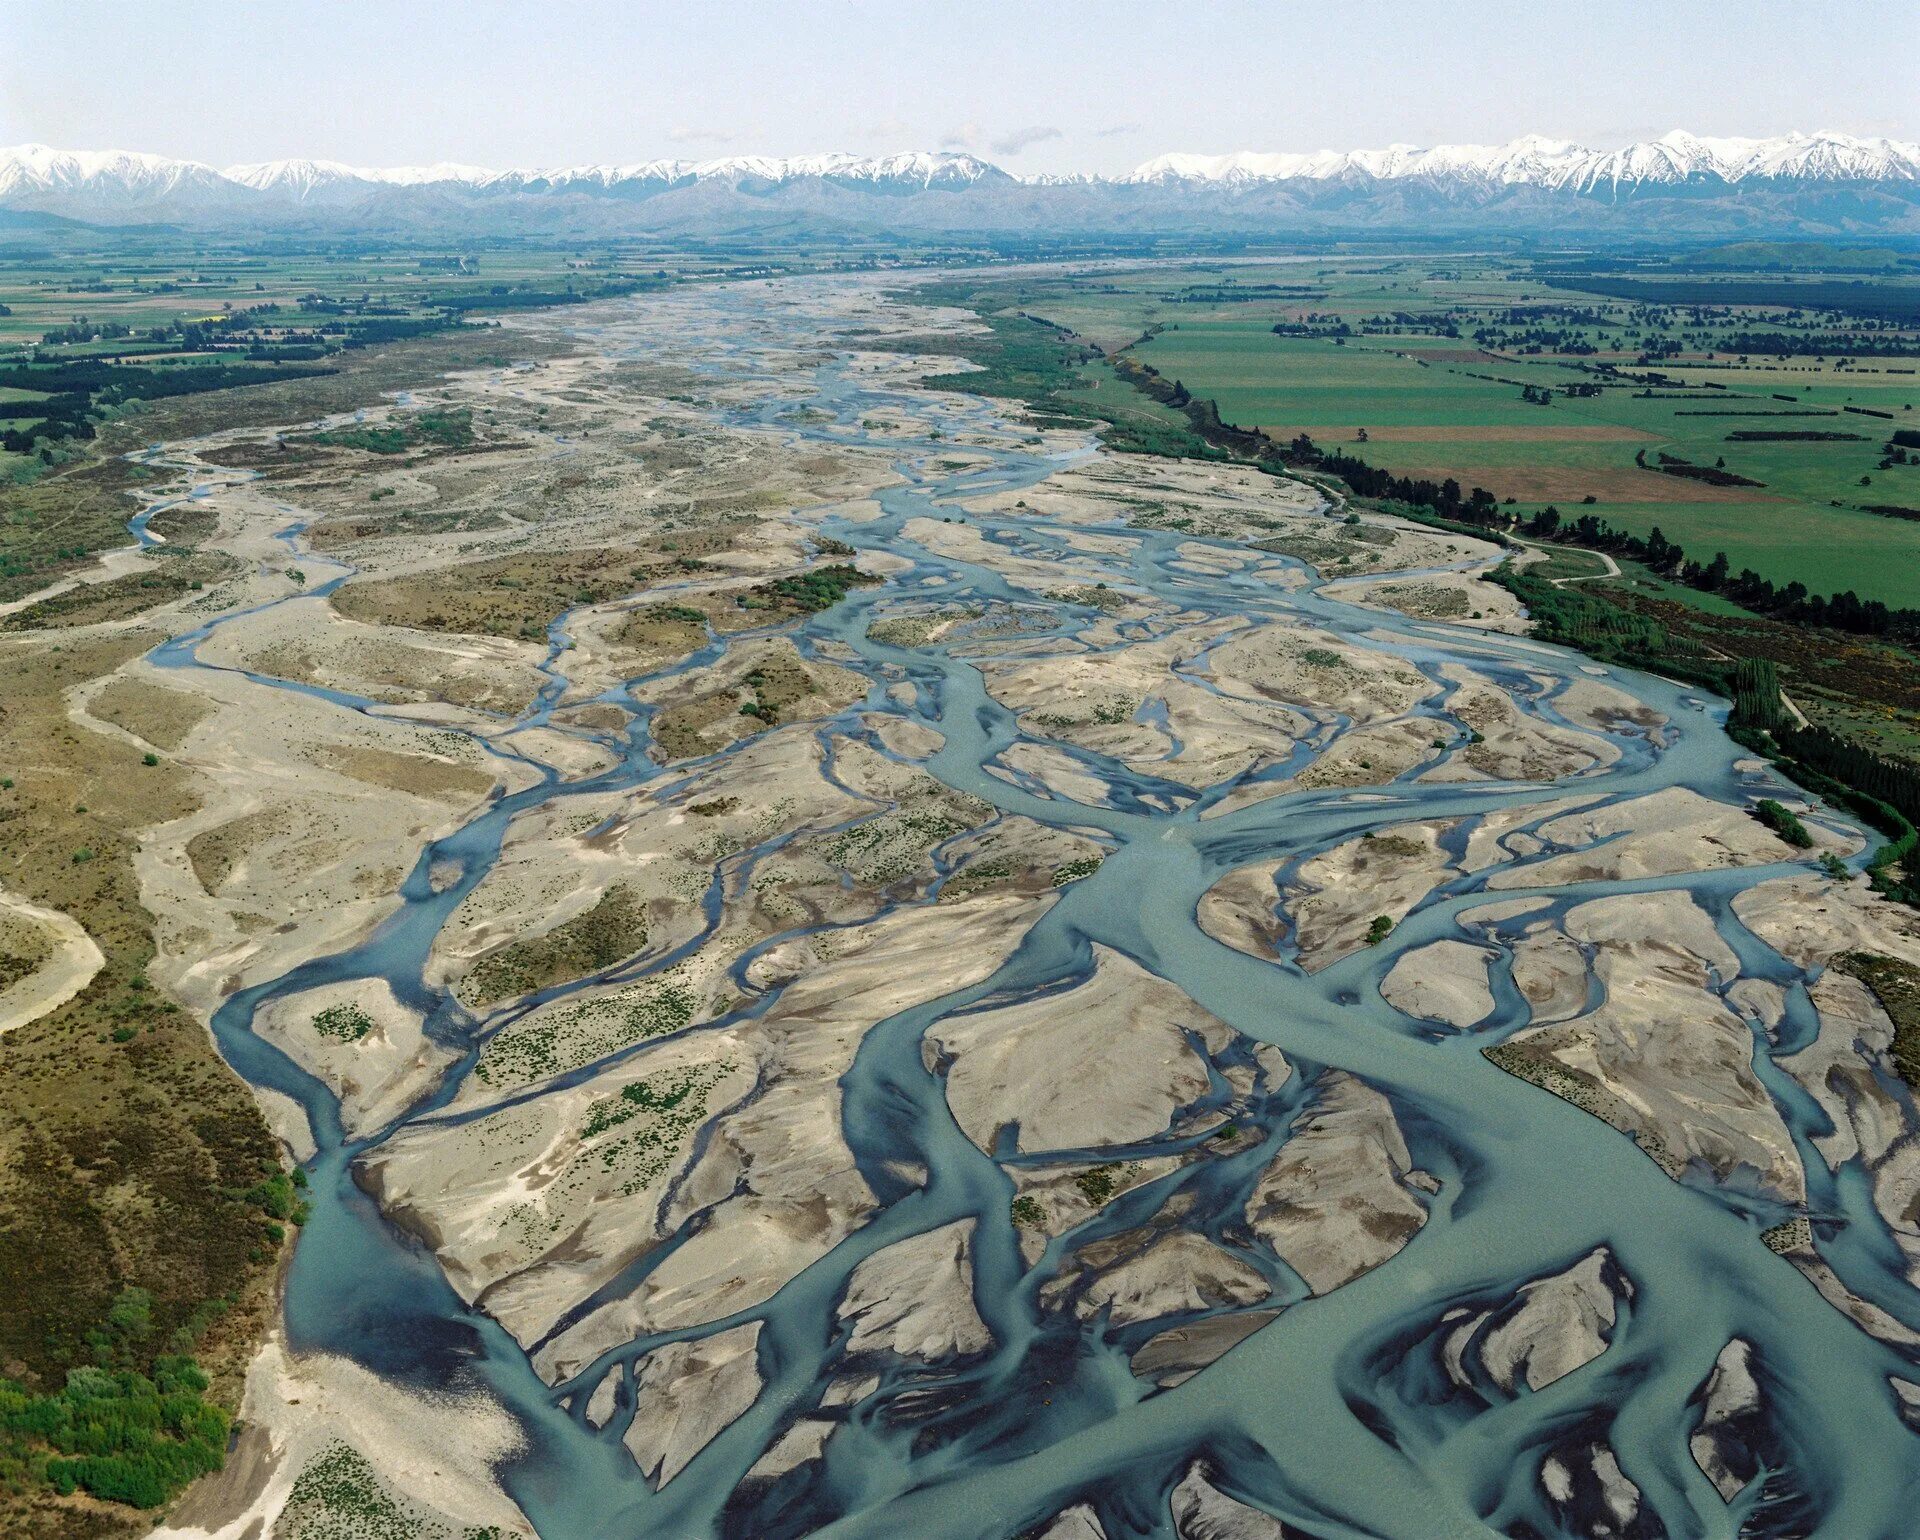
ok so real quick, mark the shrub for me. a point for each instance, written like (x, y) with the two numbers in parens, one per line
(1783, 823)
(118, 1434)
(274, 1197)
(346, 1021)
(1097, 1185)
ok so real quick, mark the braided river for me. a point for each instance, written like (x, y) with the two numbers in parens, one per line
(1333, 1418)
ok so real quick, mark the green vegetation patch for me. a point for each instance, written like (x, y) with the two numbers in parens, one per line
(1093, 596)
(1064, 380)
(613, 928)
(1578, 617)
(116, 1434)
(903, 630)
(338, 1495)
(916, 630)
(1783, 822)
(127, 1428)
(116, 598)
(1566, 562)
(449, 429)
(56, 524)
(976, 878)
(370, 440)
(887, 848)
(657, 1114)
(1073, 871)
(1018, 357)
(1099, 1183)
(561, 1039)
(1896, 985)
(807, 593)
(347, 1022)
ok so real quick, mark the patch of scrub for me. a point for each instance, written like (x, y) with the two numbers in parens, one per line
(566, 1036)
(340, 1496)
(613, 928)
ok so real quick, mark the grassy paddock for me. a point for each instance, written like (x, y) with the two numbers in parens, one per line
(1432, 356)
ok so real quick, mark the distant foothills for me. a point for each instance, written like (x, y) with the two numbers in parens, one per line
(1825, 184)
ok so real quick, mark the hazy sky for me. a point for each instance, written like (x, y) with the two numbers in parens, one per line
(1035, 85)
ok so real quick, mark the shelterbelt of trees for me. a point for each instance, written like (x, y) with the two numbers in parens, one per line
(1480, 510)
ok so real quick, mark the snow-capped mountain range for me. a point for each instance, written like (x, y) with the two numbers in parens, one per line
(1555, 164)
(304, 179)
(30, 173)
(1827, 181)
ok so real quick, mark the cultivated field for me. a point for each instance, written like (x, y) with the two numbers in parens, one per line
(1429, 360)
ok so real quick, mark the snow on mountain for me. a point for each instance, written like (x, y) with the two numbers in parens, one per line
(303, 180)
(914, 168)
(663, 172)
(1555, 164)
(330, 183)
(298, 179)
(921, 167)
(37, 171)
(27, 170)
(427, 176)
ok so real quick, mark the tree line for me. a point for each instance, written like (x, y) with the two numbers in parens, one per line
(1844, 611)
(1481, 510)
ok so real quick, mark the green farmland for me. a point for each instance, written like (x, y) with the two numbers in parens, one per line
(1432, 361)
